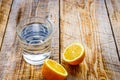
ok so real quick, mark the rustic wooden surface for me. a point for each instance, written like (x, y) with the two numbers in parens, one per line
(94, 23)
(5, 6)
(88, 22)
(114, 16)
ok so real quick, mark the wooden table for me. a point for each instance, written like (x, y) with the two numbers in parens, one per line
(94, 23)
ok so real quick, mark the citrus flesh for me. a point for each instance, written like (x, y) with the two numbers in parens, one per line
(52, 70)
(74, 54)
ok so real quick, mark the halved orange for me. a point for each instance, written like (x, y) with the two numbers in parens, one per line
(51, 70)
(74, 54)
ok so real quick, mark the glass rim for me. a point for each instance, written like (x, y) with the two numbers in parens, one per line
(48, 38)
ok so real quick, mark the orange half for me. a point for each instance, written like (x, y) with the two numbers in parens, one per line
(74, 54)
(52, 70)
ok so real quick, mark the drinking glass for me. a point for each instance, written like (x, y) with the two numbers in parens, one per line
(35, 36)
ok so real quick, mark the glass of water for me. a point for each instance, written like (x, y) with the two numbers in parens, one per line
(35, 35)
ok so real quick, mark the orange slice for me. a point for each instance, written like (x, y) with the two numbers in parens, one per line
(52, 70)
(74, 54)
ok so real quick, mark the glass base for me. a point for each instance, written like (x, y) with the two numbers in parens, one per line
(36, 59)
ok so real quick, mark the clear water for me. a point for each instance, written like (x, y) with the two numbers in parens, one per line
(32, 35)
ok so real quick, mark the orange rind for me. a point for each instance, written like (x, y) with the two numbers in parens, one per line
(52, 70)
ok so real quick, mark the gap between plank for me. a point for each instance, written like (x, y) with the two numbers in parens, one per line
(112, 30)
(6, 23)
(59, 35)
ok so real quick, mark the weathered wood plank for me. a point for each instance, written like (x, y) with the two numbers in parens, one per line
(113, 7)
(86, 21)
(12, 65)
(5, 6)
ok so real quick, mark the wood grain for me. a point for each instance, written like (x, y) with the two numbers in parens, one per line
(87, 22)
(114, 16)
(5, 6)
(94, 23)
(12, 65)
